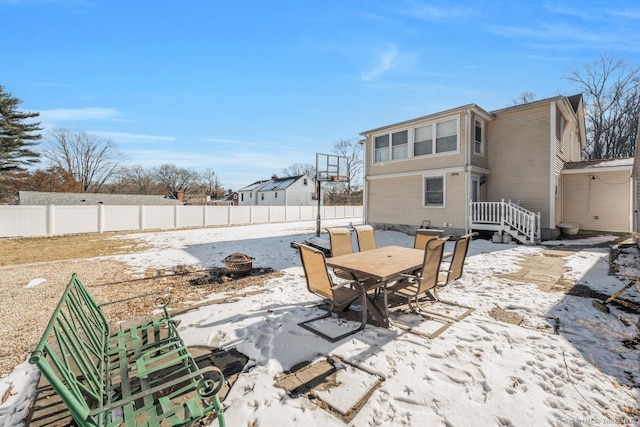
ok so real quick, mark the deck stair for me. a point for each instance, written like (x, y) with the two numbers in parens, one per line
(506, 217)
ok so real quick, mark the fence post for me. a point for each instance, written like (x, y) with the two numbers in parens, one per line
(175, 216)
(141, 217)
(204, 215)
(50, 219)
(100, 218)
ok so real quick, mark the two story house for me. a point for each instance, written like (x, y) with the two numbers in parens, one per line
(288, 191)
(470, 169)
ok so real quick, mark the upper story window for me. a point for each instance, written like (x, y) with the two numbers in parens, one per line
(446, 136)
(478, 137)
(433, 138)
(423, 140)
(400, 145)
(560, 125)
(381, 148)
(399, 148)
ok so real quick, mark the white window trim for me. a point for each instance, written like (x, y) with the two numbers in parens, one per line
(410, 141)
(484, 137)
(444, 190)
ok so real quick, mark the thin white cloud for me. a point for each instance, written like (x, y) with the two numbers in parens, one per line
(74, 114)
(386, 61)
(431, 12)
(131, 137)
(230, 141)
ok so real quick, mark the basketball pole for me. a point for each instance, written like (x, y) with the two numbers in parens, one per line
(318, 217)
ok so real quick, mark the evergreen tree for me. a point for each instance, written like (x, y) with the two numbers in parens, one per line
(16, 136)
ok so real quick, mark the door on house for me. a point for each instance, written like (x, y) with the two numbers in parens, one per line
(475, 188)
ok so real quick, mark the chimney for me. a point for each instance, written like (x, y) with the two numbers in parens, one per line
(274, 176)
(180, 196)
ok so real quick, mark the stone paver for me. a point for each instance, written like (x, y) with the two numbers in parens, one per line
(545, 270)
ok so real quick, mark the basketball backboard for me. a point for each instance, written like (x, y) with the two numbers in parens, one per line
(331, 167)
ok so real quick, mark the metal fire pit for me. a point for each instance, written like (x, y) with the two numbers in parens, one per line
(238, 263)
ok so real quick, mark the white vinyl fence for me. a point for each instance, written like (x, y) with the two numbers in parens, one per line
(35, 221)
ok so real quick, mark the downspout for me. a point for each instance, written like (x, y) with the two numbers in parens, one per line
(552, 166)
(365, 183)
(467, 172)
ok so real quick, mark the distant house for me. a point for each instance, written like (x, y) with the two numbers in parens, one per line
(288, 191)
(47, 198)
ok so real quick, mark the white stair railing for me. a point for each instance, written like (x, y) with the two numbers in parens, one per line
(508, 216)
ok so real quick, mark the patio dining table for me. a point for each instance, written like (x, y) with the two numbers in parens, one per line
(381, 266)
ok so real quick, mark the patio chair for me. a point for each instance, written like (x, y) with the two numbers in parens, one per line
(340, 241)
(416, 287)
(340, 296)
(366, 237)
(452, 274)
(424, 235)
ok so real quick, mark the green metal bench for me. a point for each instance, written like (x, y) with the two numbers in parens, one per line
(139, 376)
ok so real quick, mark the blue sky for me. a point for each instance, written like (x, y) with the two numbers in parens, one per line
(247, 88)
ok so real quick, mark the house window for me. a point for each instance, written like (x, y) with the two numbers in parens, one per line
(305, 181)
(242, 197)
(400, 145)
(560, 125)
(434, 191)
(276, 194)
(381, 148)
(440, 137)
(261, 196)
(423, 140)
(478, 139)
(446, 136)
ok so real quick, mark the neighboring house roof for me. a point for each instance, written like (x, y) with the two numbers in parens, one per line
(279, 183)
(272, 184)
(626, 162)
(47, 198)
(253, 186)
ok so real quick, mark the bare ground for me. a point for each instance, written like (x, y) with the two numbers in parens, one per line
(25, 311)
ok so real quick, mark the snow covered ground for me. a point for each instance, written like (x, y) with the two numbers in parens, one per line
(565, 365)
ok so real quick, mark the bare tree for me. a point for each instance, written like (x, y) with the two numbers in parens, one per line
(176, 179)
(140, 180)
(352, 150)
(298, 169)
(91, 160)
(524, 98)
(612, 106)
(210, 184)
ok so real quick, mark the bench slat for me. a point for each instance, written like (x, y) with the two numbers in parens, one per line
(143, 375)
